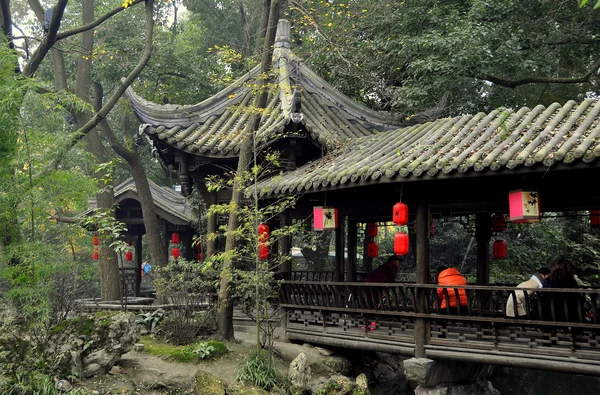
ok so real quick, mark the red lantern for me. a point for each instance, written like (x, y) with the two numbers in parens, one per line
(199, 246)
(372, 229)
(595, 218)
(372, 250)
(400, 214)
(499, 249)
(263, 251)
(498, 223)
(95, 240)
(524, 206)
(95, 255)
(175, 238)
(401, 243)
(175, 253)
(199, 256)
(129, 256)
(263, 232)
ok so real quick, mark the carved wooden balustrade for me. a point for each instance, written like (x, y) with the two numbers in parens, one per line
(558, 330)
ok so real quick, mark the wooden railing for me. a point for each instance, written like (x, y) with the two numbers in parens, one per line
(558, 330)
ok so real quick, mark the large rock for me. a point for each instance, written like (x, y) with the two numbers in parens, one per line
(238, 389)
(480, 387)
(299, 373)
(89, 345)
(430, 373)
(338, 365)
(208, 384)
(362, 385)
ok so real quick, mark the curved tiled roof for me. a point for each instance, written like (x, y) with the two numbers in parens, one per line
(213, 127)
(502, 139)
(164, 198)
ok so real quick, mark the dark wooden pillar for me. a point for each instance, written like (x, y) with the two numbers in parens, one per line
(483, 234)
(422, 250)
(186, 244)
(339, 250)
(285, 248)
(367, 262)
(351, 263)
(138, 264)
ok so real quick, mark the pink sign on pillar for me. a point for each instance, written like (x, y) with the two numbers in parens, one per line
(325, 218)
(524, 206)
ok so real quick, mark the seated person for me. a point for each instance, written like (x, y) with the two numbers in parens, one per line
(385, 273)
(534, 282)
(554, 303)
(451, 276)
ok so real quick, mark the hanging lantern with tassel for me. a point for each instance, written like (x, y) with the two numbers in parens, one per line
(524, 206)
(372, 229)
(400, 214)
(401, 243)
(95, 240)
(499, 249)
(263, 237)
(498, 223)
(175, 253)
(95, 255)
(175, 238)
(372, 250)
(129, 256)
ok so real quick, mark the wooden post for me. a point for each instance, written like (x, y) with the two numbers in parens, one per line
(422, 233)
(138, 264)
(339, 249)
(483, 234)
(367, 262)
(351, 268)
(286, 247)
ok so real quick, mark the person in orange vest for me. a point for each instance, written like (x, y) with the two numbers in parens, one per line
(451, 276)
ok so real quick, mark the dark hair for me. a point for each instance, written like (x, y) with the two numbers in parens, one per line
(543, 271)
(563, 272)
(393, 258)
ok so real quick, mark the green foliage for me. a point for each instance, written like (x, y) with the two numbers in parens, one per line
(151, 319)
(192, 353)
(189, 285)
(260, 370)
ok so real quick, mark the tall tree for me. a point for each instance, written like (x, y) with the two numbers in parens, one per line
(268, 30)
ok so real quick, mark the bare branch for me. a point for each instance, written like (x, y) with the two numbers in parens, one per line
(543, 80)
(125, 83)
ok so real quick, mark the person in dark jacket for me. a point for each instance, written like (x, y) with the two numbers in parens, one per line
(385, 273)
(554, 303)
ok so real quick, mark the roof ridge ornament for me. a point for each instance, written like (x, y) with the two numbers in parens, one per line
(282, 38)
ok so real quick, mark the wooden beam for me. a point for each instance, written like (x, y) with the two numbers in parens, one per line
(351, 263)
(483, 234)
(422, 235)
(339, 249)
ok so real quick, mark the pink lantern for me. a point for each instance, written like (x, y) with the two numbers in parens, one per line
(524, 206)
(325, 218)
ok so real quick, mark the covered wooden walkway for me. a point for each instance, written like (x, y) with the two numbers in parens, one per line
(559, 333)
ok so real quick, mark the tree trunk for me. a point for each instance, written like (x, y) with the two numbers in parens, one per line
(225, 305)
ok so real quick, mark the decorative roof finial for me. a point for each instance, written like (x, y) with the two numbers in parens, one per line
(282, 39)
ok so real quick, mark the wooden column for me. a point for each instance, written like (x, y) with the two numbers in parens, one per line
(285, 248)
(367, 262)
(186, 244)
(138, 264)
(422, 250)
(351, 263)
(483, 234)
(339, 250)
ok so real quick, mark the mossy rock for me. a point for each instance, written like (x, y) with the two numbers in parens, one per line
(208, 384)
(337, 386)
(183, 353)
(338, 365)
(238, 389)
